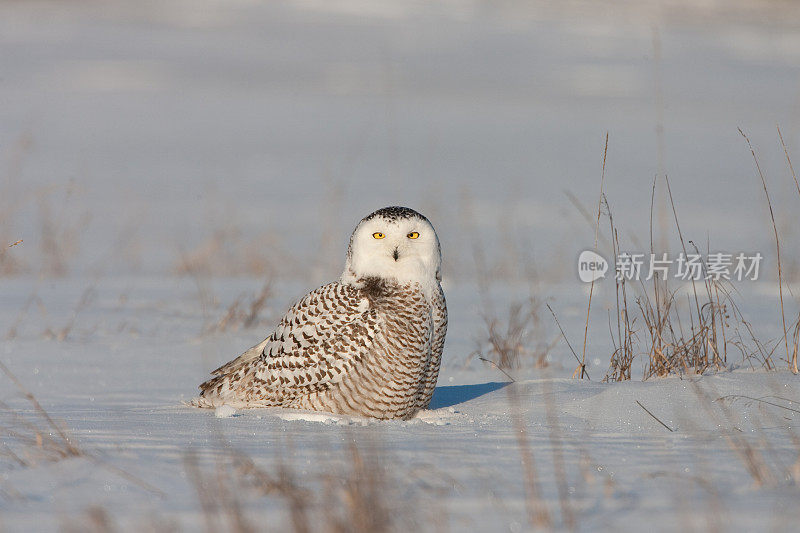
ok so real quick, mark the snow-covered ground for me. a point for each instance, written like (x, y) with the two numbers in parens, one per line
(117, 379)
(162, 160)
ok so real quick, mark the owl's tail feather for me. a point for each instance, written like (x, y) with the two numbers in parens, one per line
(204, 403)
(214, 392)
(250, 355)
(231, 382)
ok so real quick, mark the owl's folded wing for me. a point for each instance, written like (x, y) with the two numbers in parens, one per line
(318, 341)
(316, 344)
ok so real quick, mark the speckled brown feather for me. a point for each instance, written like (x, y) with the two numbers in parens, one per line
(370, 348)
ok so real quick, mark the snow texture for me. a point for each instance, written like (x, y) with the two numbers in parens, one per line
(117, 383)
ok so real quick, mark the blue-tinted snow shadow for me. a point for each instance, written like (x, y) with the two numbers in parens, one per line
(456, 394)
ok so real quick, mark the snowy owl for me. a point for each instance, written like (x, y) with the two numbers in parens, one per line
(369, 344)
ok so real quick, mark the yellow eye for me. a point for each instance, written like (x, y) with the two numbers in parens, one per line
(378, 235)
(413, 235)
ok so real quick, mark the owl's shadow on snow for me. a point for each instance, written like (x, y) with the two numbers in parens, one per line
(451, 395)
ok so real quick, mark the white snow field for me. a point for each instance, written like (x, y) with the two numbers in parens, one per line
(117, 381)
(179, 173)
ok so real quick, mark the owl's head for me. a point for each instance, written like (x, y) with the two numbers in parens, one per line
(394, 242)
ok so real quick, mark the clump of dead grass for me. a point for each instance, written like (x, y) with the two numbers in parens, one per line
(226, 252)
(243, 312)
(678, 336)
(63, 332)
(39, 438)
(59, 232)
(516, 340)
(34, 439)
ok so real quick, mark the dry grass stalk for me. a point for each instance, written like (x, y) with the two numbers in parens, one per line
(284, 485)
(54, 262)
(683, 243)
(623, 354)
(98, 519)
(582, 367)
(219, 500)
(355, 500)
(789, 161)
(59, 233)
(670, 349)
(509, 339)
(95, 519)
(557, 445)
(590, 470)
(657, 287)
(46, 440)
(535, 507)
(749, 455)
(258, 303)
(564, 336)
(792, 362)
(13, 330)
(227, 253)
(796, 340)
(506, 344)
(205, 257)
(507, 348)
(62, 333)
(10, 204)
(241, 313)
(778, 410)
(646, 410)
(362, 497)
(229, 318)
(771, 401)
(49, 442)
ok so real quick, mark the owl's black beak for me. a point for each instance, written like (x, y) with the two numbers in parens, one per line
(396, 254)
